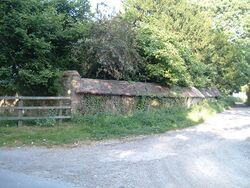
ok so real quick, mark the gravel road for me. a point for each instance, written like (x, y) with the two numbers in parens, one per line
(213, 154)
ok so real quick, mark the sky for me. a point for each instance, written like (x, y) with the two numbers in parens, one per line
(113, 4)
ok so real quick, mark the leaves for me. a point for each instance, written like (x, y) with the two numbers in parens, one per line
(171, 42)
(111, 51)
(36, 40)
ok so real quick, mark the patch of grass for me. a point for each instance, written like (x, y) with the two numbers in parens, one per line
(107, 125)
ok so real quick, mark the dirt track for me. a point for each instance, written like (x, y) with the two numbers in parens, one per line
(213, 154)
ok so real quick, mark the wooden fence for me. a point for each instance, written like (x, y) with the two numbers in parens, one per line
(20, 105)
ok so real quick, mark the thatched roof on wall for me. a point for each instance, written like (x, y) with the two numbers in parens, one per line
(125, 88)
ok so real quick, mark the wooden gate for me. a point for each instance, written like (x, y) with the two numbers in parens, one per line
(19, 105)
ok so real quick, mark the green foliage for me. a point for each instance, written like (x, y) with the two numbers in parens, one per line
(229, 100)
(173, 37)
(172, 42)
(108, 125)
(183, 44)
(94, 104)
(36, 38)
(232, 19)
(48, 121)
(110, 52)
(164, 63)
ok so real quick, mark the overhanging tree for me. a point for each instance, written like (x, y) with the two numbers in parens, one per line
(35, 41)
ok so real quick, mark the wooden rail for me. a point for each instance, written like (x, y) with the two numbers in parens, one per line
(20, 107)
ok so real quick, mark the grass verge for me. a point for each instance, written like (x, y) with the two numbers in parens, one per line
(106, 125)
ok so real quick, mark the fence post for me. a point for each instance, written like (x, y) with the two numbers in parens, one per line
(20, 111)
(60, 111)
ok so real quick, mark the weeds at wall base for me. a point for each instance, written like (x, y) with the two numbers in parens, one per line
(109, 125)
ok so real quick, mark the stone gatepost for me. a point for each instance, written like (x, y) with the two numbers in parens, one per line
(70, 82)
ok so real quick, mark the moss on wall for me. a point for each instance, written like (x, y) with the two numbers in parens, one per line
(92, 104)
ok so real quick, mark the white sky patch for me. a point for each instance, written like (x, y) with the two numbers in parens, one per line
(114, 5)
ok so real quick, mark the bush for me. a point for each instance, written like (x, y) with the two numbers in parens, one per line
(229, 100)
(110, 52)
